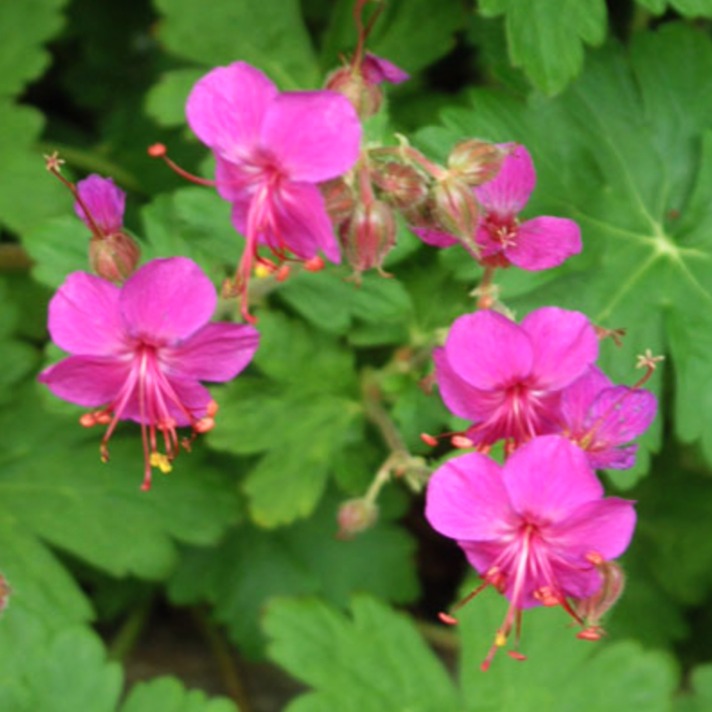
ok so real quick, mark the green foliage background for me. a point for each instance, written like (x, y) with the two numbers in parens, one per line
(615, 104)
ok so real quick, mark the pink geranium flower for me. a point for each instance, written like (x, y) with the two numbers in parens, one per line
(139, 352)
(506, 377)
(503, 239)
(602, 418)
(376, 70)
(537, 529)
(272, 149)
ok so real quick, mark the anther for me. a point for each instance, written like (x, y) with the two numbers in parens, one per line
(158, 150)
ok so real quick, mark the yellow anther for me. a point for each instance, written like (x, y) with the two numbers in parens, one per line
(500, 640)
(159, 460)
(261, 271)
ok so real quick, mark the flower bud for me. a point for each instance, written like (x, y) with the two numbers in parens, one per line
(355, 516)
(339, 200)
(455, 210)
(369, 235)
(475, 161)
(114, 256)
(592, 609)
(401, 186)
(365, 96)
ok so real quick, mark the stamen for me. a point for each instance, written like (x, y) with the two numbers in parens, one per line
(158, 150)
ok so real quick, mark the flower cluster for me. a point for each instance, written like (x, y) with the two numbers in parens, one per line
(300, 183)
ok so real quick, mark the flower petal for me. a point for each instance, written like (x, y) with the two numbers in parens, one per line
(436, 238)
(296, 217)
(104, 201)
(509, 191)
(488, 350)
(89, 381)
(217, 353)
(84, 316)
(167, 300)
(622, 414)
(604, 527)
(314, 135)
(467, 500)
(460, 397)
(564, 344)
(548, 478)
(227, 106)
(577, 398)
(544, 242)
(233, 181)
(375, 70)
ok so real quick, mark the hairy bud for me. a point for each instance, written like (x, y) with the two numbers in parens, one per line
(114, 256)
(475, 161)
(456, 210)
(339, 200)
(369, 235)
(355, 516)
(365, 96)
(401, 186)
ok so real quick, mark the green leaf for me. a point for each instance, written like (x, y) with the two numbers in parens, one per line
(699, 699)
(32, 195)
(688, 8)
(561, 672)
(251, 566)
(67, 671)
(276, 42)
(55, 487)
(24, 28)
(167, 694)
(165, 102)
(637, 178)
(546, 37)
(371, 662)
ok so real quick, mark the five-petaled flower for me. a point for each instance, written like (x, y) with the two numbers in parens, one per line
(271, 150)
(140, 351)
(506, 377)
(537, 529)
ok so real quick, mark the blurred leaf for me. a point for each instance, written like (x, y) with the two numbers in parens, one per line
(251, 566)
(561, 672)
(371, 662)
(24, 27)
(688, 8)
(637, 177)
(32, 195)
(165, 102)
(699, 699)
(166, 694)
(272, 38)
(546, 37)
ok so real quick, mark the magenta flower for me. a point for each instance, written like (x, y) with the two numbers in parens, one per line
(105, 203)
(602, 418)
(139, 352)
(506, 377)
(376, 70)
(537, 529)
(272, 149)
(535, 244)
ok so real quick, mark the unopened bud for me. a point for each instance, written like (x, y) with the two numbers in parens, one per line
(401, 186)
(475, 161)
(114, 256)
(355, 516)
(456, 210)
(365, 96)
(339, 200)
(369, 236)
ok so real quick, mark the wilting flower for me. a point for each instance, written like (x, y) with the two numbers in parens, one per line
(376, 70)
(537, 529)
(536, 244)
(272, 149)
(139, 352)
(602, 418)
(507, 377)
